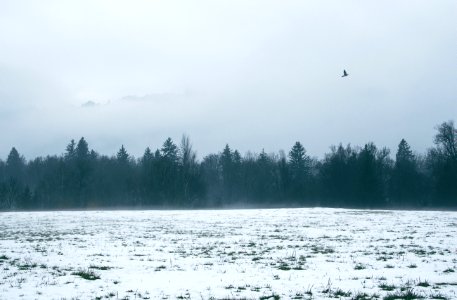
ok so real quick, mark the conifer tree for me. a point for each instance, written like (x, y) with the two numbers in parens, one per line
(70, 151)
(169, 151)
(405, 180)
(122, 155)
(299, 166)
(15, 165)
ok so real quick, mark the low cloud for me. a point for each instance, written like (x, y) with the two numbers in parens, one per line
(90, 103)
(267, 74)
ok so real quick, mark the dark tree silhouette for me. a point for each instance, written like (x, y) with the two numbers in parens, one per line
(172, 176)
(442, 161)
(83, 169)
(189, 174)
(299, 167)
(446, 140)
(167, 167)
(226, 161)
(70, 150)
(15, 165)
(122, 156)
(338, 177)
(406, 181)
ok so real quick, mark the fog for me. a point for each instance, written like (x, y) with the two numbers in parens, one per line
(254, 74)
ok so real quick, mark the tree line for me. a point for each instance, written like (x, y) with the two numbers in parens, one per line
(172, 177)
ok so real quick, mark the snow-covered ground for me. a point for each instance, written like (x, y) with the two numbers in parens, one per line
(231, 254)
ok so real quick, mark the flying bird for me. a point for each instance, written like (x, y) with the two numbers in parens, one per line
(345, 73)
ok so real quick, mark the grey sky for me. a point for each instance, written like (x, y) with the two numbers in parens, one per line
(254, 74)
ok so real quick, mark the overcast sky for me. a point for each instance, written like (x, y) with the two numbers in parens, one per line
(253, 74)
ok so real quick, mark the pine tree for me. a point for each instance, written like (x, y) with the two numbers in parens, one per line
(70, 151)
(226, 163)
(15, 175)
(299, 166)
(236, 157)
(169, 151)
(298, 160)
(405, 181)
(83, 166)
(82, 150)
(404, 154)
(122, 155)
(337, 175)
(148, 176)
(226, 158)
(148, 156)
(368, 192)
(15, 165)
(167, 168)
(157, 154)
(263, 157)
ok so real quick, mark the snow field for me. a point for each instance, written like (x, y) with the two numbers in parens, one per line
(228, 254)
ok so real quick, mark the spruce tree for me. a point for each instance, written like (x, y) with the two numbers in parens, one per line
(15, 165)
(70, 150)
(299, 166)
(122, 155)
(405, 180)
(169, 151)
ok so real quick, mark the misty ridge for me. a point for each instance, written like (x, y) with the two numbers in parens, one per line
(172, 177)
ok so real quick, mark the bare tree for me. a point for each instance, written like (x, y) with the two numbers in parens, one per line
(188, 163)
(446, 140)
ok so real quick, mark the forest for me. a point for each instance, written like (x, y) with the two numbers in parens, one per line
(172, 177)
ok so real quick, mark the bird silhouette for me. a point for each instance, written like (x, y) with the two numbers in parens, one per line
(345, 73)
